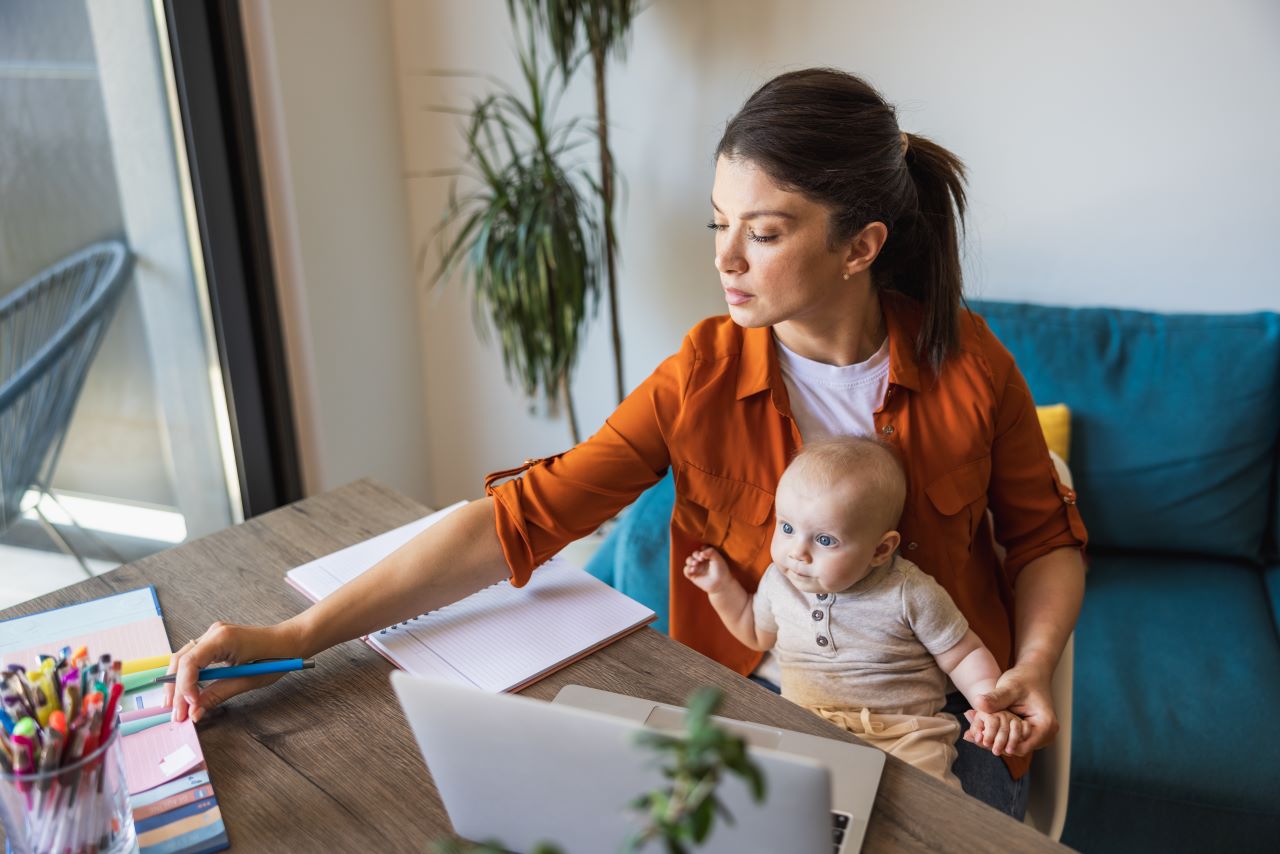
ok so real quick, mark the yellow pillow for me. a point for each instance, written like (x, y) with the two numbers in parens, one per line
(1055, 421)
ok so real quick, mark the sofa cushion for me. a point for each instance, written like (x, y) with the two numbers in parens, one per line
(1273, 540)
(1271, 576)
(635, 557)
(1174, 419)
(1177, 679)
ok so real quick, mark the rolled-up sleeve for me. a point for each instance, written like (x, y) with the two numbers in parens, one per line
(1034, 512)
(562, 498)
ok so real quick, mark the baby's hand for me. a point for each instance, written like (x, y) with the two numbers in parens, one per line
(707, 568)
(999, 732)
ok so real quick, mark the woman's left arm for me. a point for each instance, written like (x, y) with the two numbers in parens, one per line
(1047, 597)
(1039, 524)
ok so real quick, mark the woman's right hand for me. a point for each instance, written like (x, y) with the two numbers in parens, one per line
(225, 643)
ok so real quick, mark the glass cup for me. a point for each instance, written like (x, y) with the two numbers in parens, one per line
(80, 807)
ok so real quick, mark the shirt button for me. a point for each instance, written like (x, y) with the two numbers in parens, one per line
(887, 429)
(1069, 497)
(821, 596)
(821, 641)
(912, 546)
(817, 615)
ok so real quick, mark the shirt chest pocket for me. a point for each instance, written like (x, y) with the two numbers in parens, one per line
(959, 498)
(732, 515)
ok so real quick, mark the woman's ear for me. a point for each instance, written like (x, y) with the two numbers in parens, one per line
(886, 547)
(865, 246)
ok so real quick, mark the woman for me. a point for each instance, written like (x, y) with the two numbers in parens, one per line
(836, 243)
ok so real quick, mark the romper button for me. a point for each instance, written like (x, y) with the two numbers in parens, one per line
(913, 546)
(822, 641)
(821, 596)
(817, 615)
(887, 430)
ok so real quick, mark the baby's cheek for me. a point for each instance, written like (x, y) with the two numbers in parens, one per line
(777, 551)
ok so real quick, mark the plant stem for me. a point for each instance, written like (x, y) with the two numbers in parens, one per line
(606, 193)
(569, 410)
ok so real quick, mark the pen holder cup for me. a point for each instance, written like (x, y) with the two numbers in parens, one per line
(80, 807)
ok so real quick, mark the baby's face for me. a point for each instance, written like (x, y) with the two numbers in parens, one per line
(819, 541)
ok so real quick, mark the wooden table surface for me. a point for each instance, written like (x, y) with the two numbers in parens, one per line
(326, 762)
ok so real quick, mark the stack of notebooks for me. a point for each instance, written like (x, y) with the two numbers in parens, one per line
(502, 638)
(174, 807)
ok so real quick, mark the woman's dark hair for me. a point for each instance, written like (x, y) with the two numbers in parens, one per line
(831, 137)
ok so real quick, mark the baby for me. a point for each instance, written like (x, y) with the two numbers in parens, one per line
(863, 637)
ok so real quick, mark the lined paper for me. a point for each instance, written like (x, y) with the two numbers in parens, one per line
(498, 639)
(502, 636)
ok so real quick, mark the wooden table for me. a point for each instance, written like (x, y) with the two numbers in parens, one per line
(326, 762)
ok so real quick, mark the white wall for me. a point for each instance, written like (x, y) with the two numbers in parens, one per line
(1119, 154)
(326, 101)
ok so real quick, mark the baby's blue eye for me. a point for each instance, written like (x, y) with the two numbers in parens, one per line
(787, 529)
(826, 540)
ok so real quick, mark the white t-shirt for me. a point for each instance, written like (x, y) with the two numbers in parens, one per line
(827, 401)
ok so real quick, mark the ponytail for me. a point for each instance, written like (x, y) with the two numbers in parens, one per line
(925, 262)
(833, 138)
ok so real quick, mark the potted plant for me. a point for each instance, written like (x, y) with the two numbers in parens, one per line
(603, 26)
(524, 234)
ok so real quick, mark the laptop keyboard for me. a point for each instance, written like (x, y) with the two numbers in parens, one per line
(839, 826)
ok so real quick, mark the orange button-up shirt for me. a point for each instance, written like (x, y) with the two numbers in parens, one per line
(717, 413)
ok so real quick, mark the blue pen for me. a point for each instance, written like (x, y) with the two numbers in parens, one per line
(253, 668)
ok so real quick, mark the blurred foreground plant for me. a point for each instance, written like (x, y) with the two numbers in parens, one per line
(685, 811)
(683, 814)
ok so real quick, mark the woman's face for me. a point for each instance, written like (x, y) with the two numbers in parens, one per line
(772, 252)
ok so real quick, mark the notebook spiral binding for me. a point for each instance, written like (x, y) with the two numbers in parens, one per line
(426, 614)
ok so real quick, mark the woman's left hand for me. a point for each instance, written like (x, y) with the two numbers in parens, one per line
(1027, 692)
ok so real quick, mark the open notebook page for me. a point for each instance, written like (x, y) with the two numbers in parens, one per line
(499, 638)
(503, 637)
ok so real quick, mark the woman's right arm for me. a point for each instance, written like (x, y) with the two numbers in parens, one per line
(522, 523)
(449, 561)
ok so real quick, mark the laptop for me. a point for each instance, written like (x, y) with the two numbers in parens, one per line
(522, 772)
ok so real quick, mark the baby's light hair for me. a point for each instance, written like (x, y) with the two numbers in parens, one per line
(873, 467)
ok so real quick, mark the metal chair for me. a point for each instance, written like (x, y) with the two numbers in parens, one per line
(50, 331)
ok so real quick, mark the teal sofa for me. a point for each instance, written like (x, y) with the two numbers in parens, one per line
(1174, 450)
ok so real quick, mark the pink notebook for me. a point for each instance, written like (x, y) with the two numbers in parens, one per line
(501, 638)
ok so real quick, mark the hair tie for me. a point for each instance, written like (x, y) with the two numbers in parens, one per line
(905, 143)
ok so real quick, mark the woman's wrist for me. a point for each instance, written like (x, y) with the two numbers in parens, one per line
(1039, 664)
(298, 635)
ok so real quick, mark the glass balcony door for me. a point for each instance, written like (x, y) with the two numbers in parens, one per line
(96, 144)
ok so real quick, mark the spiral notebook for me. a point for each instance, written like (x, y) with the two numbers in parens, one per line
(501, 638)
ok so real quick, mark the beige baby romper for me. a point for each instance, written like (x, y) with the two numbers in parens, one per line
(863, 658)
